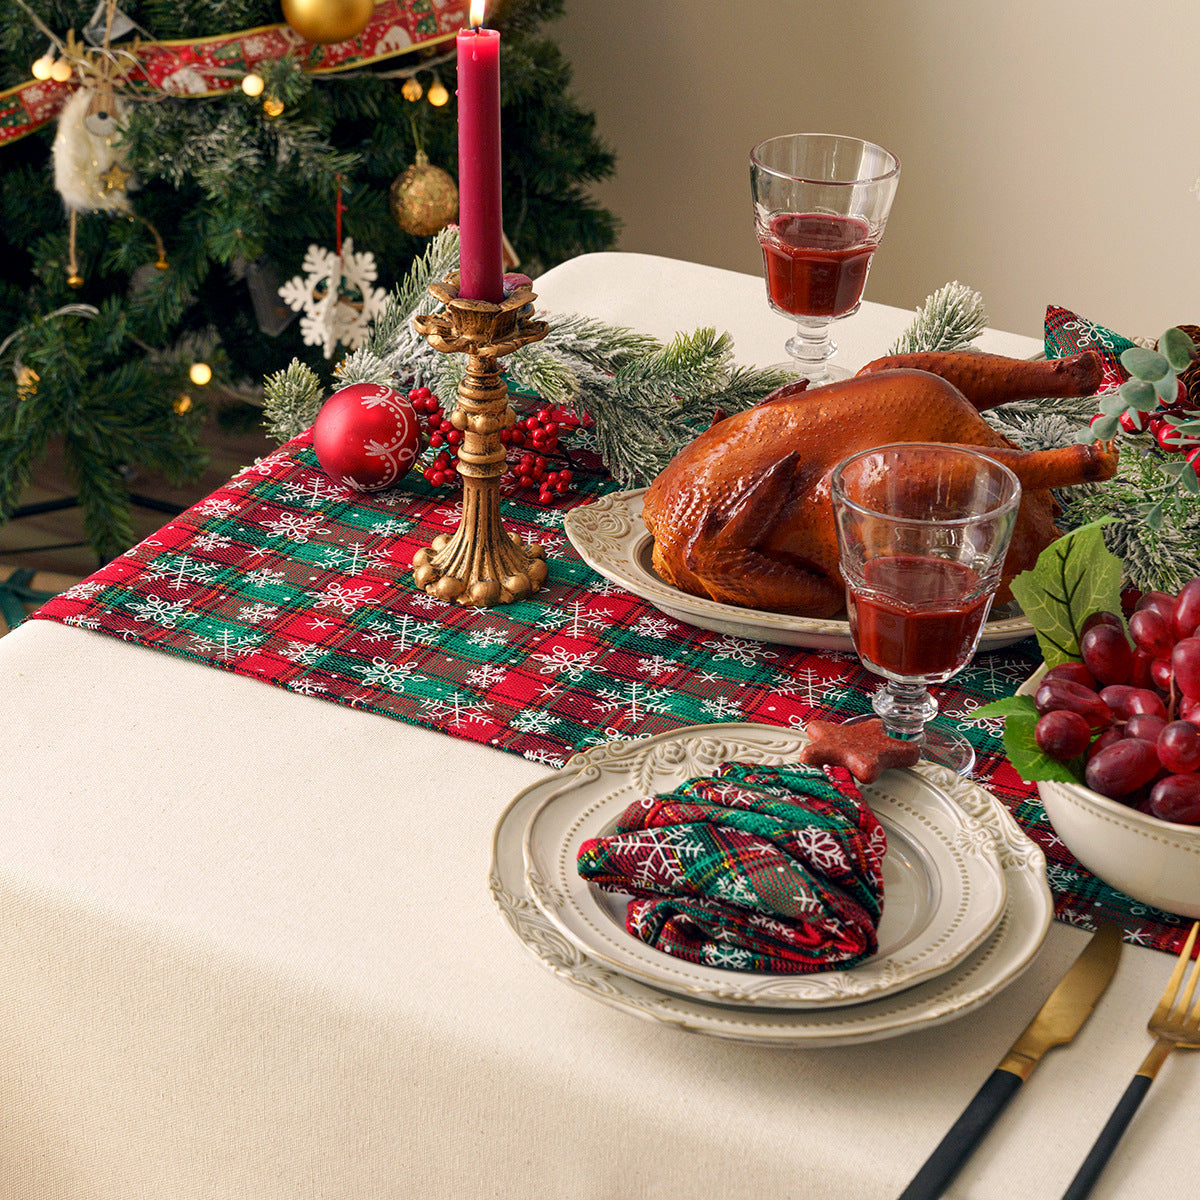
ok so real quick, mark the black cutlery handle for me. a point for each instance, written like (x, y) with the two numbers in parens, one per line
(965, 1134)
(1110, 1135)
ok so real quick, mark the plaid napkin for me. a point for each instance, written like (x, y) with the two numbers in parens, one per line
(754, 868)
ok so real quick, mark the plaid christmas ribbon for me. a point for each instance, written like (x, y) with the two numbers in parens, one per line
(1068, 333)
(283, 576)
(751, 868)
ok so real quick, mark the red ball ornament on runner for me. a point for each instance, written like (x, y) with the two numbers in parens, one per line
(367, 436)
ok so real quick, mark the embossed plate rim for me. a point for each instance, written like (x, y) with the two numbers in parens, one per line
(960, 877)
(619, 557)
(1002, 958)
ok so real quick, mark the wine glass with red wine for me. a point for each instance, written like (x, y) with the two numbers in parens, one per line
(923, 529)
(820, 204)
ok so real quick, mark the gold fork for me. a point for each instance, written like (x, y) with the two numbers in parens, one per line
(1175, 1022)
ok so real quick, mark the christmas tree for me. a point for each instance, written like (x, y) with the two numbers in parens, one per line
(192, 157)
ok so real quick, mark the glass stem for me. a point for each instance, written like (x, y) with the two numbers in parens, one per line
(905, 709)
(811, 348)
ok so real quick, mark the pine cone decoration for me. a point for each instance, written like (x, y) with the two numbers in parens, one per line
(1191, 377)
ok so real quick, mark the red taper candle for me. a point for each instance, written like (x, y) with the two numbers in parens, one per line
(479, 206)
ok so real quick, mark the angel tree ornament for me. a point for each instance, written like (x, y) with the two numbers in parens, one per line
(335, 296)
(366, 437)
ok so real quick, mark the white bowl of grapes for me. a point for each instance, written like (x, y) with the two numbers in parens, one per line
(1126, 717)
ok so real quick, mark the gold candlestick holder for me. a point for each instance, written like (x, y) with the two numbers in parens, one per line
(481, 564)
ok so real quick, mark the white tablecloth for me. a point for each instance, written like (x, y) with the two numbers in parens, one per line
(247, 951)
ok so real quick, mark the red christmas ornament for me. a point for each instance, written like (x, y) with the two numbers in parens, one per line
(366, 436)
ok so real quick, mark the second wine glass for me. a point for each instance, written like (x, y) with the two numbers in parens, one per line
(923, 529)
(821, 201)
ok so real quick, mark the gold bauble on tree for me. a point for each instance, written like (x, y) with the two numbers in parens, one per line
(328, 21)
(424, 199)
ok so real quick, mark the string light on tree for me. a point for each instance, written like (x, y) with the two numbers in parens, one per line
(411, 89)
(273, 107)
(42, 67)
(61, 70)
(438, 95)
(200, 373)
(253, 85)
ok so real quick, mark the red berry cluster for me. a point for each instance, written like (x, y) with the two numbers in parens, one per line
(1134, 710)
(1168, 437)
(530, 442)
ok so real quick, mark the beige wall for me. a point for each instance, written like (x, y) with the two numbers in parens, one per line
(1049, 147)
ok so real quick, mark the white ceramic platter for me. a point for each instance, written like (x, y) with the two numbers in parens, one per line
(944, 891)
(612, 539)
(653, 764)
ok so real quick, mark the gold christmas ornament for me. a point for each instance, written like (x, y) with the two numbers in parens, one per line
(272, 106)
(253, 85)
(328, 21)
(410, 89)
(424, 199)
(438, 94)
(183, 404)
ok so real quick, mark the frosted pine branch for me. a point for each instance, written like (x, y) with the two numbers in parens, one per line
(950, 319)
(292, 399)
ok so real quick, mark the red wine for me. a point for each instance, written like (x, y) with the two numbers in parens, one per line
(933, 630)
(816, 264)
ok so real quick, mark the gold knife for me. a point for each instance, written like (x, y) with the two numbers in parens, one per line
(1057, 1022)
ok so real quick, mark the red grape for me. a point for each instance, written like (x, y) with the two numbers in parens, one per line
(1141, 677)
(1054, 694)
(1100, 618)
(1123, 767)
(1075, 672)
(1146, 726)
(1179, 747)
(1107, 654)
(1176, 798)
(1160, 674)
(1152, 632)
(1062, 735)
(1185, 662)
(1187, 609)
(1107, 738)
(1159, 601)
(1189, 710)
(1125, 700)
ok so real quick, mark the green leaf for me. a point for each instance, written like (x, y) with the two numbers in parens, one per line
(1167, 388)
(1112, 405)
(1028, 761)
(1073, 577)
(1145, 404)
(1137, 391)
(1101, 430)
(1144, 364)
(1178, 348)
(1006, 706)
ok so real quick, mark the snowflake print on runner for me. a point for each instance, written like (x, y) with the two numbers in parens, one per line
(394, 676)
(208, 542)
(545, 758)
(487, 637)
(315, 492)
(262, 577)
(995, 674)
(571, 666)
(352, 558)
(633, 701)
(166, 613)
(393, 526)
(534, 720)
(256, 614)
(721, 708)
(485, 676)
(459, 709)
(344, 599)
(181, 571)
(226, 645)
(216, 506)
(403, 631)
(576, 620)
(655, 627)
(82, 621)
(965, 711)
(303, 654)
(295, 527)
(656, 666)
(307, 687)
(83, 590)
(734, 957)
(736, 649)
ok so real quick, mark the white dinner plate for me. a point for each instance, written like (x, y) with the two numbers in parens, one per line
(612, 539)
(651, 764)
(944, 891)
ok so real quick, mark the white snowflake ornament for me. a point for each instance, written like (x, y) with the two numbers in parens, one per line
(336, 296)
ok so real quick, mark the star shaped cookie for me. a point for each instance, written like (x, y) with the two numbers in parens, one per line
(862, 748)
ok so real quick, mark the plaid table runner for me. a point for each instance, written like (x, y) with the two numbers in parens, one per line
(283, 576)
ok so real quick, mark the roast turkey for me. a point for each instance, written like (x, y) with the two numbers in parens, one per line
(742, 514)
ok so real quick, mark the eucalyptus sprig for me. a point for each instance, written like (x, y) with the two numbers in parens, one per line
(1153, 383)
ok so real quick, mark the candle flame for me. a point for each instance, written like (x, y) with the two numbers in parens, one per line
(476, 13)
